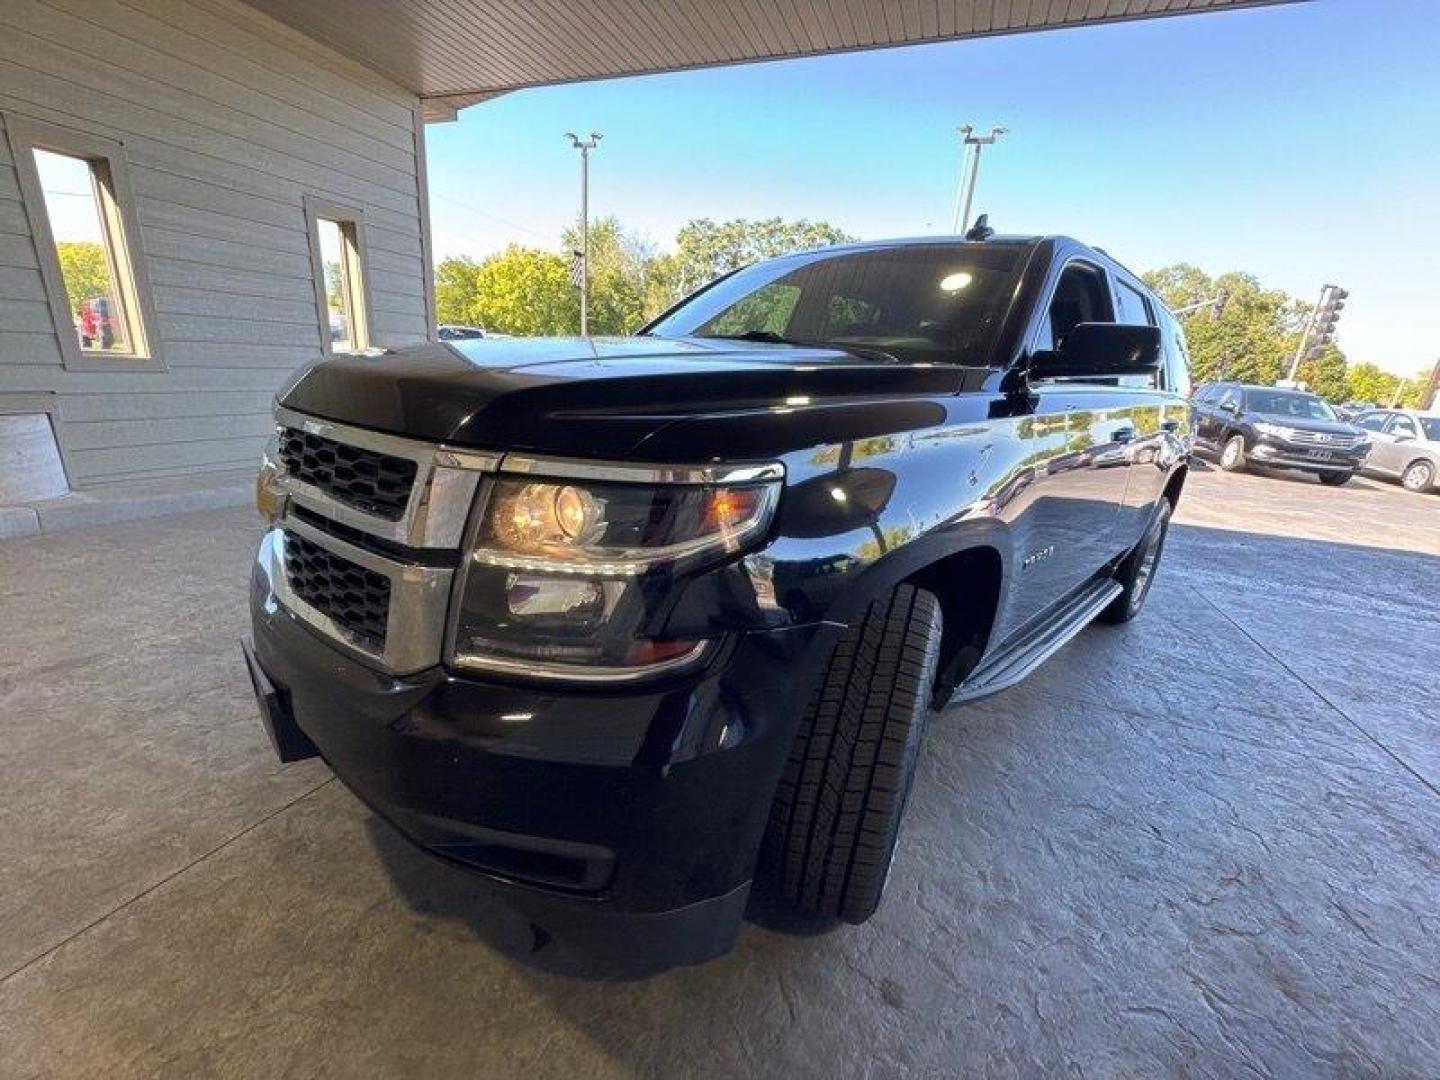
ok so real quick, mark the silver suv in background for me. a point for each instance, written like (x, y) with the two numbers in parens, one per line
(1404, 446)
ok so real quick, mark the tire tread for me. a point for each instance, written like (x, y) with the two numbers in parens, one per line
(843, 789)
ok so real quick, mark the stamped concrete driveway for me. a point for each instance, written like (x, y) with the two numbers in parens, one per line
(1204, 844)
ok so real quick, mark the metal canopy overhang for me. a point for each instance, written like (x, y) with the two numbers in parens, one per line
(453, 53)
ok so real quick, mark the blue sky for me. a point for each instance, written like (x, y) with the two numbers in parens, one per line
(1300, 143)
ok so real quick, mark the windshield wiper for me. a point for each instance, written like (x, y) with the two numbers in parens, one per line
(770, 336)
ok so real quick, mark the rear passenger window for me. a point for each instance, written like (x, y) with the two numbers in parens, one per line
(1131, 306)
(1080, 296)
(1177, 354)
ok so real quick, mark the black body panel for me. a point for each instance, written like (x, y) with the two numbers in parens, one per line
(1012, 498)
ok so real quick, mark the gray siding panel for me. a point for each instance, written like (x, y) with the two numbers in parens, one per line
(26, 316)
(229, 121)
(12, 218)
(17, 251)
(16, 284)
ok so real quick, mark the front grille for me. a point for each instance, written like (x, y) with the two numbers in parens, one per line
(354, 597)
(1321, 438)
(368, 480)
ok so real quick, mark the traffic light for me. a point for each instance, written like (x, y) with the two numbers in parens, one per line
(1332, 300)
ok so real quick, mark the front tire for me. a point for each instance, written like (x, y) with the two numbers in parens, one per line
(1137, 572)
(1232, 457)
(838, 807)
(1418, 476)
(1335, 479)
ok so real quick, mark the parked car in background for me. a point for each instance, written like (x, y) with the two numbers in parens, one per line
(617, 622)
(1350, 411)
(1283, 429)
(98, 327)
(1405, 446)
(460, 333)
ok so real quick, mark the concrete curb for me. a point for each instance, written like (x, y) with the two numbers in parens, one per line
(125, 502)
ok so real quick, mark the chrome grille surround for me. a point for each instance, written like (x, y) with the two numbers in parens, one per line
(419, 595)
(435, 513)
(354, 596)
(365, 479)
(1331, 441)
(433, 518)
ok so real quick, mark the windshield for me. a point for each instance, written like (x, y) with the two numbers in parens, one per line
(1431, 426)
(923, 302)
(1288, 403)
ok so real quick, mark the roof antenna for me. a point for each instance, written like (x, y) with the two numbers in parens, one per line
(981, 230)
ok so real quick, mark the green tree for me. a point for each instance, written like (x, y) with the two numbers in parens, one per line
(85, 269)
(1255, 337)
(705, 249)
(455, 287)
(521, 291)
(1327, 375)
(1367, 382)
(619, 267)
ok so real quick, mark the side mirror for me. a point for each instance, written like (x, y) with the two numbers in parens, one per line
(1100, 349)
(1229, 406)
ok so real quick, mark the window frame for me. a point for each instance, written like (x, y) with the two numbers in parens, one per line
(1042, 331)
(1396, 419)
(123, 244)
(1380, 416)
(1117, 283)
(362, 334)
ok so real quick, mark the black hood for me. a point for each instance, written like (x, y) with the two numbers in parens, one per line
(603, 397)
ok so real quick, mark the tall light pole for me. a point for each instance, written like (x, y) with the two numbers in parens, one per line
(584, 146)
(973, 145)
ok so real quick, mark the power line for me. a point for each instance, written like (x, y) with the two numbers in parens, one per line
(462, 204)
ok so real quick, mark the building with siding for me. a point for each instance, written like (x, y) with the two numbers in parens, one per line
(226, 122)
(250, 181)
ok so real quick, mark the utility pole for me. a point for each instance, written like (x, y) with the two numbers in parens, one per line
(1320, 328)
(1430, 397)
(971, 170)
(584, 146)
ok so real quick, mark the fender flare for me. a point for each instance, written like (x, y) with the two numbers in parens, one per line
(889, 571)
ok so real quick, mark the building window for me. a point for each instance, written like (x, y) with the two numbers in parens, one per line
(337, 257)
(82, 220)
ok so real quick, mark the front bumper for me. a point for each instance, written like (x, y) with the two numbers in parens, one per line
(1285, 455)
(634, 813)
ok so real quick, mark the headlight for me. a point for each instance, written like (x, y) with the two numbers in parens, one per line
(1275, 431)
(269, 494)
(568, 579)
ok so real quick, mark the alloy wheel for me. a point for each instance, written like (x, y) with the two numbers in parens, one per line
(1418, 476)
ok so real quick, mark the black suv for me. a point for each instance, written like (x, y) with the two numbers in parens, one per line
(615, 621)
(1279, 428)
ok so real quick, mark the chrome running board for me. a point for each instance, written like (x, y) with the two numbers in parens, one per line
(1014, 662)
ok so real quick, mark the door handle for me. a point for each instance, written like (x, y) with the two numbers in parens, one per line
(1122, 435)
